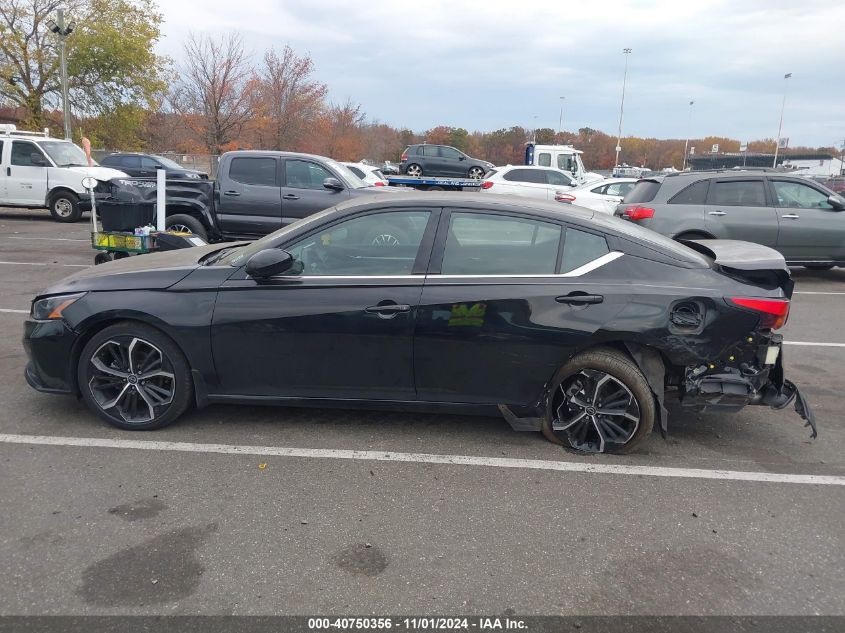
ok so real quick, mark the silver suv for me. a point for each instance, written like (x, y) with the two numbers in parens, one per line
(796, 216)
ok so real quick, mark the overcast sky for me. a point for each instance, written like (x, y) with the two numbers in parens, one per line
(497, 63)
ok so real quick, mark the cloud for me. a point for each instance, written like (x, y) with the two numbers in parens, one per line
(492, 64)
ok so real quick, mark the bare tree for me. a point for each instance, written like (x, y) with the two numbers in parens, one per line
(288, 97)
(215, 89)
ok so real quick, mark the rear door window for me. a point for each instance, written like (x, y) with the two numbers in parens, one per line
(643, 191)
(525, 175)
(430, 150)
(253, 170)
(488, 244)
(737, 193)
(696, 193)
(558, 179)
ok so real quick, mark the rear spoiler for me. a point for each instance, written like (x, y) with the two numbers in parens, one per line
(747, 261)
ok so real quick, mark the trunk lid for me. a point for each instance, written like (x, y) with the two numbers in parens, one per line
(748, 262)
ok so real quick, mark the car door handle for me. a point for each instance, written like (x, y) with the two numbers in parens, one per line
(231, 193)
(389, 310)
(716, 213)
(579, 298)
(790, 216)
(290, 196)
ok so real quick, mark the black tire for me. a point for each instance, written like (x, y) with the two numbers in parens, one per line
(181, 221)
(626, 383)
(693, 235)
(101, 258)
(818, 266)
(135, 403)
(476, 173)
(64, 207)
(414, 170)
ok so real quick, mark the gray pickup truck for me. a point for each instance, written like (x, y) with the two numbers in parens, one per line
(255, 193)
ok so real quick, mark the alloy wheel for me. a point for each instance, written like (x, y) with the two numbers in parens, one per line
(131, 378)
(179, 228)
(594, 411)
(476, 173)
(63, 207)
(415, 171)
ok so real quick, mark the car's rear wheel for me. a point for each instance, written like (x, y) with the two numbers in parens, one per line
(134, 377)
(818, 266)
(693, 235)
(599, 402)
(414, 170)
(186, 224)
(476, 173)
(64, 207)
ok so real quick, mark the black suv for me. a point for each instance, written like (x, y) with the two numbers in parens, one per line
(145, 166)
(441, 160)
(799, 217)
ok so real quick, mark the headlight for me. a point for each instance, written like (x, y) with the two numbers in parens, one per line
(192, 175)
(53, 307)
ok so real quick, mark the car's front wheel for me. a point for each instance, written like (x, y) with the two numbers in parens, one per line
(599, 402)
(476, 173)
(134, 377)
(64, 207)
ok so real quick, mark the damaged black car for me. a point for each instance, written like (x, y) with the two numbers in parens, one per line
(565, 321)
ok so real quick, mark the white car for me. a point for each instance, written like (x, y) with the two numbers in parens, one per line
(528, 180)
(370, 174)
(39, 171)
(602, 195)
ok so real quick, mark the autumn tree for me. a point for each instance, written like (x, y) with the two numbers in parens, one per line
(110, 58)
(215, 90)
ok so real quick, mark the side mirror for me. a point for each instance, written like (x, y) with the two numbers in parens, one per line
(462, 158)
(269, 262)
(37, 160)
(837, 202)
(333, 184)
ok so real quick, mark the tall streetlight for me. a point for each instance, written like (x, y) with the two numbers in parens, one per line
(689, 131)
(560, 121)
(627, 52)
(780, 124)
(63, 31)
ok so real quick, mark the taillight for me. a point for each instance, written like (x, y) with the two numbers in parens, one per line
(404, 156)
(773, 312)
(379, 183)
(564, 197)
(486, 184)
(638, 213)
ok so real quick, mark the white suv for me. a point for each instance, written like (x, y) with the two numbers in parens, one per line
(39, 171)
(528, 180)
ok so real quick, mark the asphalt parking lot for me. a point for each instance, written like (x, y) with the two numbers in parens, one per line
(218, 515)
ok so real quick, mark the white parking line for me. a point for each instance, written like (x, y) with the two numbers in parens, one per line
(44, 264)
(50, 239)
(424, 458)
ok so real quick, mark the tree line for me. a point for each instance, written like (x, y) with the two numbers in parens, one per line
(220, 97)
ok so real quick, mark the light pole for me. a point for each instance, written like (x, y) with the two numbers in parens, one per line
(534, 138)
(780, 124)
(689, 130)
(626, 51)
(560, 121)
(62, 32)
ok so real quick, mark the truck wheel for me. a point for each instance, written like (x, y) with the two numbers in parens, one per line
(185, 224)
(476, 173)
(64, 207)
(414, 170)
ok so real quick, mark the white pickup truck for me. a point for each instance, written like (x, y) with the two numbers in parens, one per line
(563, 157)
(37, 171)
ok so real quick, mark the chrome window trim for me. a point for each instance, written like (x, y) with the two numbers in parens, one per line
(577, 272)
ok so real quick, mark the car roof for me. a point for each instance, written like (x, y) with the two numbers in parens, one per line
(271, 152)
(605, 181)
(510, 167)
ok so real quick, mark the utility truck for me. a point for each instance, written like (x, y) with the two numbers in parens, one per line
(563, 157)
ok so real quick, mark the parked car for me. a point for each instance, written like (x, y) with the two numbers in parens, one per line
(255, 193)
(146, 165)
(603, 195)
(37, 171)
(370, 174)
(533, 182)
(835, 184)
(389, 169)
(567, 322)
(441, 160)
(799, 218)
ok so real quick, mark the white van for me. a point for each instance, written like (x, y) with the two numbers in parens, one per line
(37, 171)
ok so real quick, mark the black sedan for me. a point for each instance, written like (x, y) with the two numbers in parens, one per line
(567, 322)
(145, 166)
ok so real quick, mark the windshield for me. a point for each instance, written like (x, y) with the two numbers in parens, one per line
(349, 179)
(168, 164)
(240, 256)
(65, 153)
